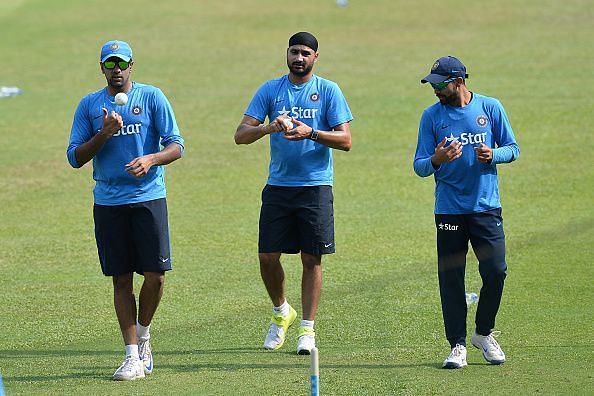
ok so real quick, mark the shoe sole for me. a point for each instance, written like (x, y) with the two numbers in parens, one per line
(303, 352)
(128, 379)
(451, 366)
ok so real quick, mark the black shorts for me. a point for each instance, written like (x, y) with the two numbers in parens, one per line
(294, 219)
(132, 237)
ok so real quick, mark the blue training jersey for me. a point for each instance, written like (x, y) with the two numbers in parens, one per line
(320, 104)
(149, 123)
(465, 185)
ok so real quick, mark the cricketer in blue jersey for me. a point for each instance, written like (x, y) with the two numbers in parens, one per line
(308, 116)
(129, 143)
(461, 140)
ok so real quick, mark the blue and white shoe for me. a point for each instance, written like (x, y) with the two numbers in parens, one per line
(456, 359)
(492, 352)
(146, 355)
(130, 370)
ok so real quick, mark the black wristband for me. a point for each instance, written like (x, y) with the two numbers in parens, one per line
(314, 134)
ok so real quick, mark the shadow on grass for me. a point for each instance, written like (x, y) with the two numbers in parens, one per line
(102, 372)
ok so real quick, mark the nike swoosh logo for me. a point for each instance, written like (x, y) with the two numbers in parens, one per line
(164, 260)
(279, 100)
(327, 244)
(498, 224)
(444, 126)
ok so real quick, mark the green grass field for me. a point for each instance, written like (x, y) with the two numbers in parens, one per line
(379, 326)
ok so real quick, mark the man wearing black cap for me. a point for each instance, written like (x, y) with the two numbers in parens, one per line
(123, 138)
(307, 115)
(461, 140)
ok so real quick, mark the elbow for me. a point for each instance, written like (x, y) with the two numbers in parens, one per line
(346, 145)
(517, 153)
(238, 137)
(71, 157)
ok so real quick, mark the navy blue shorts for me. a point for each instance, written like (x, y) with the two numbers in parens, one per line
(294, 219)
(132, 237)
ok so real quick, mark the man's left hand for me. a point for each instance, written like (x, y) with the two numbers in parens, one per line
(140, 166)
(484, 153)
(300, 131)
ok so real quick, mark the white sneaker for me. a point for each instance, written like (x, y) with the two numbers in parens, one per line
(306, 341)
(130, 370)
(457, 358)
(491, 350)
(277, 331)
(146, 355)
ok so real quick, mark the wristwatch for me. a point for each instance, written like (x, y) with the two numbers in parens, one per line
(314, 134)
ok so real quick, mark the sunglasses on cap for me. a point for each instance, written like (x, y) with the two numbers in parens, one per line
(121, 64)
(443, 84)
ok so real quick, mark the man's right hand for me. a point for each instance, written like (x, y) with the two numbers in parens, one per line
(446, 154)
(112, 122)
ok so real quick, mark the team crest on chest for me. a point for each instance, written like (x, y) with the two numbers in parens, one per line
(482, 121)
(314, 97)
(136, 110)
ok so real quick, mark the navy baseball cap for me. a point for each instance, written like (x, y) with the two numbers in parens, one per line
(444, 68)
(120, 49)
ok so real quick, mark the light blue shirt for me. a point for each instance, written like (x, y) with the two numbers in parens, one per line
(149, 123)
(465, 185)
(320, 104)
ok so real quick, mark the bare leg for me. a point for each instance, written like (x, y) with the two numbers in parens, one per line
(125, 306)
(311, 285)
(273, 276)
(150, 296)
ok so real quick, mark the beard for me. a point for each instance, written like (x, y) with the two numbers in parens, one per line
(300, 72)
(450, 98)
(117, 81)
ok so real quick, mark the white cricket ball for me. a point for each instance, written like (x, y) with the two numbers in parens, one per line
(342, 3)
(121, 99)
(288, 123)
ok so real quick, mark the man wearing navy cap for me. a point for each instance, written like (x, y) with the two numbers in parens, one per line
(461, 140)
(308, 116)
(130, 209)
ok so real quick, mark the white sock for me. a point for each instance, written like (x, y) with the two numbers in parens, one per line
(307, 323)
(143, 332)
(132, 351)
(283, 309)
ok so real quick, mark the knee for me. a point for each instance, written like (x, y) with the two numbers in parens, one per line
(155, 279)
(269, 260)
(122, 283)
(493, 270)
(311, 263)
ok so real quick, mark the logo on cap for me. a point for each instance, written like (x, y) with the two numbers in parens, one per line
(114, 47)
(435, 65)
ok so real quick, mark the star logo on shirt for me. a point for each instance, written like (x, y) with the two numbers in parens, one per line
(452, 138)
(283, 111)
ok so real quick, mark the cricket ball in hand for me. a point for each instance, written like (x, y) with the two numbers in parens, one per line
(121, 99)
(287, 122)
